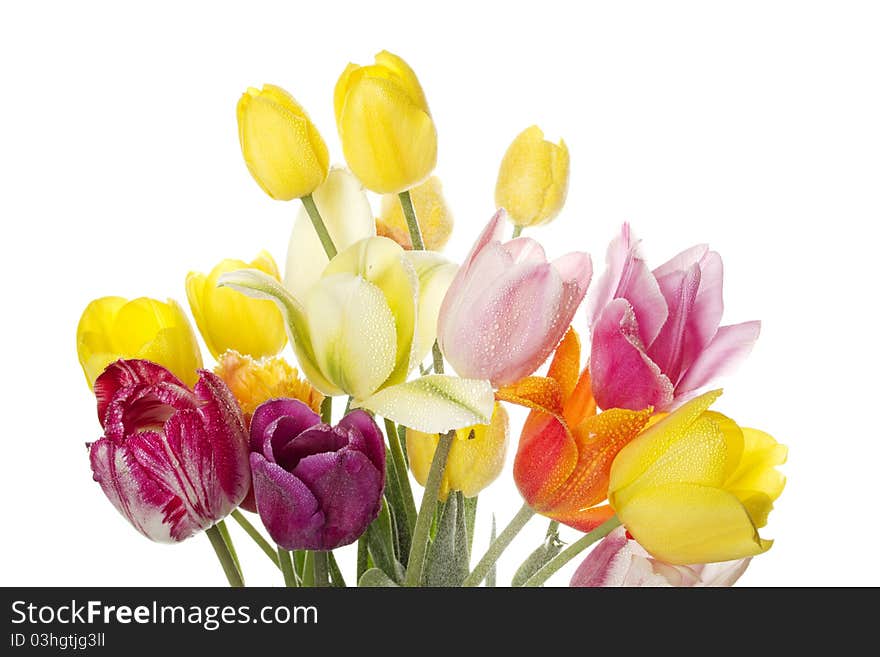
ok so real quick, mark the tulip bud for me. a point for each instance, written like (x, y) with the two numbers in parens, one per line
(282, 148)
(434, 216)
(695, 487)
(111, 328)
(387, 133)
(172, 460)
(533, 179)
(475, 459)
(229, 320)
(316, 487)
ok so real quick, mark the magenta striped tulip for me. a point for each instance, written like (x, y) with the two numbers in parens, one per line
(316, 487)
(173, 461)
(507, 307)
(619, 561)
(655, 334)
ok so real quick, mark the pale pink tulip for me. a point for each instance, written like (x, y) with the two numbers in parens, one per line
(655, 335)
(621, 562)
(507, 307)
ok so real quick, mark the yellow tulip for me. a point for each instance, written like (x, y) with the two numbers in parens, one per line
(111, 328)
(253, 382)
(695, 487)
(533, 179)
(475, 460)
(282, 148)
(228, 320)
(434, 216)
(387, 133)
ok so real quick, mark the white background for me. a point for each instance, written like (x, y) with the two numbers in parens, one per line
(754, 126)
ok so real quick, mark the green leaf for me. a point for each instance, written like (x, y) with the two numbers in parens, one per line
(470, 516)
(448, 559)
(376, 577)
(434, 404)
(492, 575)
(336, 577)
(380, 538)
(541, 556)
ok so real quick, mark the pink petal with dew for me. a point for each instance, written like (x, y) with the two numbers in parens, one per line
(730, 345)
(604, 565)
(683, 261)
(525, 249)
(627, 276)
(623, 376)
(679, 288)
(493, 232)
(705, 316)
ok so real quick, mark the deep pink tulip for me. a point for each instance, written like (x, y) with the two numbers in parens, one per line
(173, 461)
(621, 562)
(507, 307)
(316, 487)
(655, 334)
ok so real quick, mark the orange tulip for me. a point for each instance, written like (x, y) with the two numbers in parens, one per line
(565, 451)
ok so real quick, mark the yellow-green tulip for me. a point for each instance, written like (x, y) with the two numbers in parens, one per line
(533, 179)
(228, 320)
(387, 133)
(475, 460)
(695, 487)
(434, 216)
(282, 148)
(111, 328)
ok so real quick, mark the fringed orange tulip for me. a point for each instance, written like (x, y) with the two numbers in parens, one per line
(565, 451)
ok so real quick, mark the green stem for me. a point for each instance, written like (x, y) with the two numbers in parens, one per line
(327, 410)
(320, 228)
(362, 554)
(572, 551)
(412, 223)
(322, 569)
(254, 533)
(308, 569)
(224, 556)
(336, 577)
(286, 564)
(517, 231)
(422, 530)
(498, 546)
(399, 462)
(438, 358)
(347, 406)
(224, 532)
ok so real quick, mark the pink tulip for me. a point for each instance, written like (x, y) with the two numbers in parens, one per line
(621, 562)
(507, 307)
(655, 335)
(173, 461)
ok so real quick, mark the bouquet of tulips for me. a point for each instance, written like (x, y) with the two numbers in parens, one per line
(423, 354)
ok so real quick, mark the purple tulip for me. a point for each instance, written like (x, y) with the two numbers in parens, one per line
(656, 337)
(173, 461)
(317, 487)
(507, 307)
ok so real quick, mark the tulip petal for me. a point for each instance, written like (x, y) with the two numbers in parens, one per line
(584, 520)
(383, 263)
(125, 373)
(434, 403)
(606, 564)
(353, 333)
(623, 375)
(705, 316)
(538, 393)
(729, 346)
(639, 456)
(261, 286)
(680, 291)
(435, 276)
(340, 481)
(627, 276)
(756, 470)
(271, 410)
(286, 506)
(367, 439)
(346, 213)
(546, 457)
(477, 454)
(566, 363)
(725, 573)
(688, 523)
